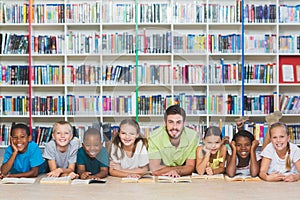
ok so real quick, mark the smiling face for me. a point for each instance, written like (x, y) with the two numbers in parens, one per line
(62, 136)
(92, 145)
(174, 126)
(128, 135)
(243, 146)
(20, 139)
(213, 143)
(279, 138)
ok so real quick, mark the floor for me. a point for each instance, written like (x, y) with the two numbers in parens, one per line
(114, 189)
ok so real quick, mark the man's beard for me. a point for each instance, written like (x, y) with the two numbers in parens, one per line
(176, 136)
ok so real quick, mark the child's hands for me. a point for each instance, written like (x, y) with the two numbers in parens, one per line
(291, 178)
(85, 175)
(73, 175)
(13, 146)
(206, 151)
(254, 144)
(209, 170)
(133, 176)
(232, 145)
(276, 176)
(55, 173)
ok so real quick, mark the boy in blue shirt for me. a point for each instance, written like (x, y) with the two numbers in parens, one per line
(92, 157)
(23, 158)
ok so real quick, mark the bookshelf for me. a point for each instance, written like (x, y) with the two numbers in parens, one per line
(201, 54)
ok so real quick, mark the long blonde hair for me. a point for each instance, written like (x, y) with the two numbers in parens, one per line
(288, 162)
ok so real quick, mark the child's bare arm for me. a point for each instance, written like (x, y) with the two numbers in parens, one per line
(5, 168)
(254, 164)
(34, 172)
(56, 172)
(102, 174)
(265, 163)
(231, 161)
(201, 159)
(67, 171)
(116, 170)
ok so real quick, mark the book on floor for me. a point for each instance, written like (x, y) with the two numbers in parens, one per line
(242, 178)
(56, 180)
(17, 180)
(168, 179)
(208, 177)
(87, 181)
(146, 178)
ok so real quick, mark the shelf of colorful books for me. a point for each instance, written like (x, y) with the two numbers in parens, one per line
(289, 39)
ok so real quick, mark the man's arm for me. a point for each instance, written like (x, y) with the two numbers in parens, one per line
(158, 170)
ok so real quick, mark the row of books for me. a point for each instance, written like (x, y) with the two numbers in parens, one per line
(189, 43)
(289, 104)
(82, 43)
(47, 13)
(220, 13)
(218, 43)
(259, 104)
(118, 12)
(224, 72)
(48, 44)
(152, 74)
(83, 105)
(86, 74)
(121, 105)
(289, 13)
(222, 104)
(258, 13)
(19, 105)
(125, 42)
(154, 12)
(48, 74)
(263, 43)
(120, 43)
(182, 12)
(87, 12)
(289, 44)
(190, 74)
(13, 75)
(259, 73)
(11, 43)
(147, 104)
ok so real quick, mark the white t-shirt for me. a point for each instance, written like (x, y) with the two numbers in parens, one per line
(139, 158)
(277, 164)
(245, 171)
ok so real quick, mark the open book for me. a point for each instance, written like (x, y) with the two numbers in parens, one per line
(208, 177)
(242, 178)
(167, 179)
(146, 178)
(17, 180)
(56, 180)
(87, 181)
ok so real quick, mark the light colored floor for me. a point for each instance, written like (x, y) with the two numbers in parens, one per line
(114, 190)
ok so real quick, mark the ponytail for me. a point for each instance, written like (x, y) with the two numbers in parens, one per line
(288, 158)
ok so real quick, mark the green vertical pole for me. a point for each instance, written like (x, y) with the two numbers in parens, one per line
(136, 63)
